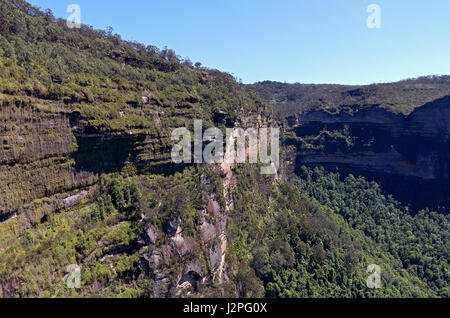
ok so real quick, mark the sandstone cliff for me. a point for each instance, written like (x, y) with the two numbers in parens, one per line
(373, 141)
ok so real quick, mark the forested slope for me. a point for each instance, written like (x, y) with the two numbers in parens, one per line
(86, 179)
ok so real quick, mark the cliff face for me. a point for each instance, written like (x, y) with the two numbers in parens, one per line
(85, 120)
(36, 160)
(77, 103)
(52, 161)
(398, 149)
(50, 153)
(198, 244)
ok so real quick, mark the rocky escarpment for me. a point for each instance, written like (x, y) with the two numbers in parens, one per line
(182, 256)
(48, 153)
(409, 154)
(182, 262)
(79, 103)
(36, 162)
(85, 120)
(199, 249)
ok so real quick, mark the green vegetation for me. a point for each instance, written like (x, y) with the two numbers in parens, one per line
(400, 97)
(311, 237)
(102, 237)
(118, 85)
(57, 83)
(35, 263)
(316, 236)
(83, 109)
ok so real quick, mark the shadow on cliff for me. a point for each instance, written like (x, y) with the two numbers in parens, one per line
(104, 154)
(408, 155)
(108, 154)
(415, 193)
(100, 153)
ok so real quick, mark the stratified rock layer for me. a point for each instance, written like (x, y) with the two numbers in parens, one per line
(412, 149)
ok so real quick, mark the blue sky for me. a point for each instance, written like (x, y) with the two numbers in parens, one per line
(314, 41)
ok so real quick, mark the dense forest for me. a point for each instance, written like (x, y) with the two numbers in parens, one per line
(86, 179)
(319, 232)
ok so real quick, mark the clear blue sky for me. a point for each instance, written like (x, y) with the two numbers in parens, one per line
(314, 41)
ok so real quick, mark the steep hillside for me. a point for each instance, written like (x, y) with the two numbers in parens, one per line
(76, 103)
(80, 111)
(86, 180)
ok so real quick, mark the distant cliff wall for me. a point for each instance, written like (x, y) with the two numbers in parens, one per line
(401, 150)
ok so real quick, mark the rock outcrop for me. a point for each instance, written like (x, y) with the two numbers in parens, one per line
(388, 147)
